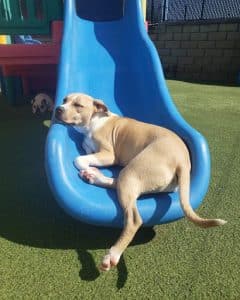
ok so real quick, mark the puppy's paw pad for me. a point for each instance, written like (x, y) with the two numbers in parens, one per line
(91, 175)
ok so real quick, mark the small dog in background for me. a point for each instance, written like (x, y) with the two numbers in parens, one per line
(42, 103)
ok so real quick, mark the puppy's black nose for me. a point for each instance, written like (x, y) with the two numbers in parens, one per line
(59, 110)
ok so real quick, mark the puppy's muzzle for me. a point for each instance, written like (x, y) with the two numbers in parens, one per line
(58, 112)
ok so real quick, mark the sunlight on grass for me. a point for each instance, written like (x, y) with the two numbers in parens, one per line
(47, 123)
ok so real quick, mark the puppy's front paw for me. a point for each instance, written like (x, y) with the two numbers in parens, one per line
(91, 175)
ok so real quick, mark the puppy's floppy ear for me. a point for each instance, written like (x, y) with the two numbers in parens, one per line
(100, 106)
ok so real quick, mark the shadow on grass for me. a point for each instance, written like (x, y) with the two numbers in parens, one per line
(28, 213)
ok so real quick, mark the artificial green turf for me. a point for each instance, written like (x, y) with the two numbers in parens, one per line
(46, 254)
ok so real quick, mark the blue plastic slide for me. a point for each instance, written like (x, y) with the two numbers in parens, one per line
(106, 53)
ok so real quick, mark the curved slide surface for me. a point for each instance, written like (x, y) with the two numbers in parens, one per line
(106, 53)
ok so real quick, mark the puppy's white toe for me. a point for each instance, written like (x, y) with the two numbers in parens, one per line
(110, 260)
(106, 263)
(76, 163)
(80, 163)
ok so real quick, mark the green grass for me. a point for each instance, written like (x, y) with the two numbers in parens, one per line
(46, 254)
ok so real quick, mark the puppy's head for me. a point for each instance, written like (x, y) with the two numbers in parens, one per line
(78, 109)
(41, 103)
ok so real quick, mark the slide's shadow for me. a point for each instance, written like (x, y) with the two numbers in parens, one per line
(30, 215)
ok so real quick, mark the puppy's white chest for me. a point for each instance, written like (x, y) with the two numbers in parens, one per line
(88, 144)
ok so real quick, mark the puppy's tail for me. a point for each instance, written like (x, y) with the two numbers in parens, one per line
(184, 189)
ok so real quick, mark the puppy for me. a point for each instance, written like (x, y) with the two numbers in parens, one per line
(42, 103)
(154, 158)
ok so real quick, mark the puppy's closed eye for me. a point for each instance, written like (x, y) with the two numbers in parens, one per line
(78, 105)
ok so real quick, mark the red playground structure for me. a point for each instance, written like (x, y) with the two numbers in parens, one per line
(29, 68)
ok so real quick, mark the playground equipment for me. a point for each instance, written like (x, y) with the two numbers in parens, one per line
(4, 39)
(22, 63)
(107, 53)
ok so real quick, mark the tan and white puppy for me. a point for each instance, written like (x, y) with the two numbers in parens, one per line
(154, 159)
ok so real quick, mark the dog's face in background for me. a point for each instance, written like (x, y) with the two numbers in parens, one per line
(42, 103)
(78, 109)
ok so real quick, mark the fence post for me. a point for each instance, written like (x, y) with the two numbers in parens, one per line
(185, 12)
(165, 10)
(152, 11)
(144, 8)
(202, 10)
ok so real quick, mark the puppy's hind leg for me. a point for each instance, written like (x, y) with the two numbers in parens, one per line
(127, 195)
